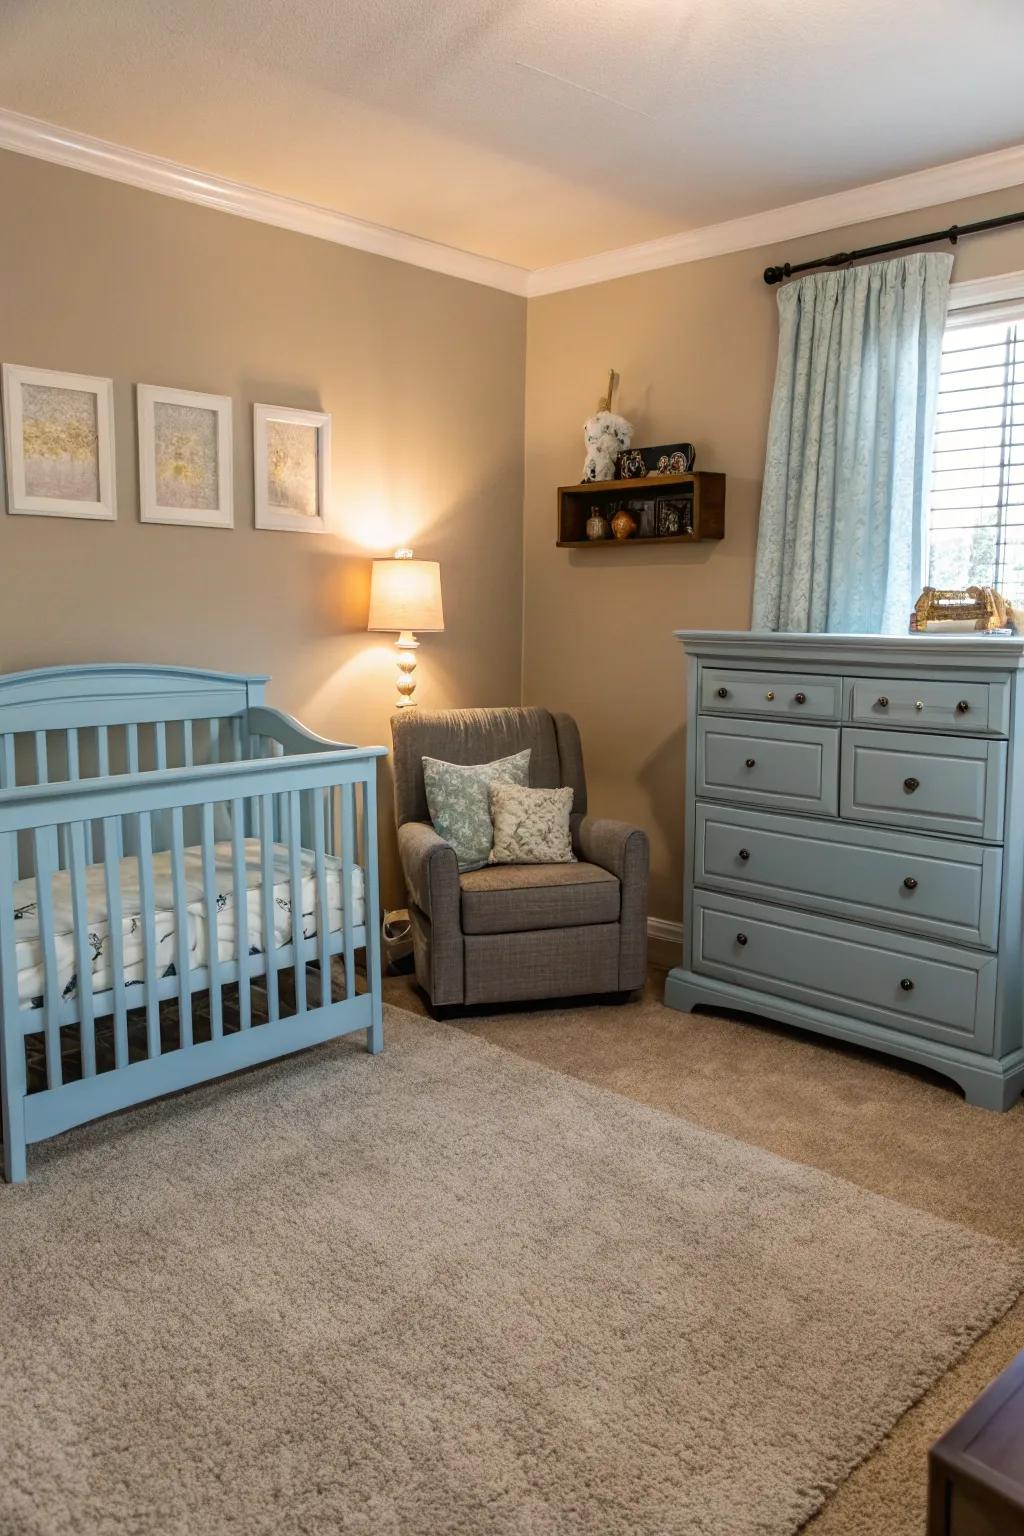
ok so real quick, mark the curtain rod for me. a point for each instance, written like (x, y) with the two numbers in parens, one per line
(953, 234)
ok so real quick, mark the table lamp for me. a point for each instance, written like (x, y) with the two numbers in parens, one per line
(405, 595)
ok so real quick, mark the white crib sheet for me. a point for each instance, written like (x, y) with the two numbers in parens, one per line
(29, 945)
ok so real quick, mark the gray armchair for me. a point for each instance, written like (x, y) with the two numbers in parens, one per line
(510, 932)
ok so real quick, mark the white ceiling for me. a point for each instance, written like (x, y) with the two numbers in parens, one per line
(531, 131)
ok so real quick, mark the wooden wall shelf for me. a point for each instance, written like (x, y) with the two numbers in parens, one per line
(703, 491)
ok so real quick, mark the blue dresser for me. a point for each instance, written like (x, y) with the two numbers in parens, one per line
(854, 834)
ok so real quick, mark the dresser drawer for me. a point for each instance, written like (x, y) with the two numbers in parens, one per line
(941, 783)
(791, 767)
(924, 885)
(848, 968)
(939, 706)
(788, 695)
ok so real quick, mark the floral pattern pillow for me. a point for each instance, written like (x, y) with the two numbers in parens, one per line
(531, 826)
(458, 804)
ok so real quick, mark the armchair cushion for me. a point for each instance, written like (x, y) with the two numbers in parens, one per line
(457, 796)
(519, 898)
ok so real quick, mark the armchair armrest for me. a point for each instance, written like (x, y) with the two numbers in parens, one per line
(432, 876)
(431, 871)
(613, 845)
(625, 852)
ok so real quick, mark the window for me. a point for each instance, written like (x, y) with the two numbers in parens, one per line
(976, 517)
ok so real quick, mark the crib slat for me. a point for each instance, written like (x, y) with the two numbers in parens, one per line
(241, 912)
(212, 911)
(183, 956)
(295, 875)
(348, 825)
(267, 899)
(74, 773)
(148, 904)
(371, 905)
(7, 781)
(114, 848)
(236, 739)
(40, 749)
(115, 915)
(323, 922)
(13, 1075)
(83, 951)
(131, 736)
(45, 853)
(160, 742)
(332, 829)
(187, 743)
(213, 755)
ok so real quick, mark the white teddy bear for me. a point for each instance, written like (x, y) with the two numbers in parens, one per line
(605, 437)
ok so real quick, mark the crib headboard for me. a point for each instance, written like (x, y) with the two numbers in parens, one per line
(65, 723)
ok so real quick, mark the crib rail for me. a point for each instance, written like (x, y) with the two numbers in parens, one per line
(163, 886)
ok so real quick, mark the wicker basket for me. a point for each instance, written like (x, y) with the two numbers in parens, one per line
(981, 607)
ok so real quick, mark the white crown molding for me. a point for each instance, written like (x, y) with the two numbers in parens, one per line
(901, 194)
(82, 152)
(975, 291)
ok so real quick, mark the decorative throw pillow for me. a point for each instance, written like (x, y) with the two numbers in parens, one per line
(458, 804)
(531, 826)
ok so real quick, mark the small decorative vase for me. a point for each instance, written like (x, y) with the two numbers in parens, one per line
(597, 524)
(623, 524)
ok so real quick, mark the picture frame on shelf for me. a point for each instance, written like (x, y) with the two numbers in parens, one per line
(59, 443)
(292, 468)
(185, 457)
(674, 517)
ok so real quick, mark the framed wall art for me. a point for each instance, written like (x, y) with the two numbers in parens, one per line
(292, 468)
(185, 469)
(59, 441)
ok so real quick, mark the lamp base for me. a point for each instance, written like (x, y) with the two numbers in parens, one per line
(406, 645)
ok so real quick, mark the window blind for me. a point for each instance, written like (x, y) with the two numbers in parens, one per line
(976, 506)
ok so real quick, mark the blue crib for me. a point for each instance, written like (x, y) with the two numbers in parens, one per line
(185, 878)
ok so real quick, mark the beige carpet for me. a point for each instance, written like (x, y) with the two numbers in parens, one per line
(449, 1291)
(885, 1125)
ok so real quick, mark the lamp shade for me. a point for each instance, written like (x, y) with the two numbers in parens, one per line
(406, 594)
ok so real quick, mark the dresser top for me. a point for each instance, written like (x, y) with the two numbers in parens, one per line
(935, 652)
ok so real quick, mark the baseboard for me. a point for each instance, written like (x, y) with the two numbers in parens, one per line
(661, 928)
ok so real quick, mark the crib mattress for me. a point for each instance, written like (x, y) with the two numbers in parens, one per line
(29, 947)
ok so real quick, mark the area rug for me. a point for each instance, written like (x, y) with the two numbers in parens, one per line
(447, 1292)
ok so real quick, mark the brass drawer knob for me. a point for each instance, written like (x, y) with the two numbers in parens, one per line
(962, 707)
(919, 705)
(723, 693)
(744, 854)
(800, 698)
(751, 762)
(911, 784)
(910, 883)
(907, 984)
(883, 702)
(741, 938)
(770, 695)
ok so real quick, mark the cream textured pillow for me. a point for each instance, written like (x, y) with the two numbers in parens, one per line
(531, 826)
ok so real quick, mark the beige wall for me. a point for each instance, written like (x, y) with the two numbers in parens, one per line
(423, 376)
(695, 346)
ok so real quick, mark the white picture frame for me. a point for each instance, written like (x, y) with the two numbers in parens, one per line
(76, 479)
(307, 485)
(185, 463)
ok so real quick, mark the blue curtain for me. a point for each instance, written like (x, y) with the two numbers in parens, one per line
(842, 539)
